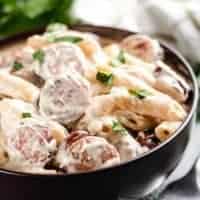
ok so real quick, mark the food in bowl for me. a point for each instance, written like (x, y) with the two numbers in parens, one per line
(71, 102)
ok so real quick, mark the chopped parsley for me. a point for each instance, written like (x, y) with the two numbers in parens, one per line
(39, 55)
(118, 128)
(105, 77)
(140, 94)
(72, 39)
(121, 57)
(55, 27)
(26, 115)
(114, 63)
(17, 66)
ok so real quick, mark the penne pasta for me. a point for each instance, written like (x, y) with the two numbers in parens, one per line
(11, 112)
(158, 75)
(151, 105)
(15, 87)
(135, 121)
(164, 130)
(158, 100)
(170, 82)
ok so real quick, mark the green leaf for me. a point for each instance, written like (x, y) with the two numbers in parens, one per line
(26, 115)
(118, 128)
(5, 19)
(39, 55)
(62, 12)
(115, 63)
(34, 8)
(29, 15)
(72, 39)
(19, 24)
(140, 94)
(105, 77)
(17, 66)
(121, 57)
(8, 1)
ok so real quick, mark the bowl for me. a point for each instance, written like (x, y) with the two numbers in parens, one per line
(135, 178)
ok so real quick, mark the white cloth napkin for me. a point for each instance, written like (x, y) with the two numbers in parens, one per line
(177, 21)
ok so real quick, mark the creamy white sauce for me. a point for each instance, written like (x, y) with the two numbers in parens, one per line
(71, 94)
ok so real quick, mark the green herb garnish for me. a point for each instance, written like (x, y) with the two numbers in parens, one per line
(121, 57)
(140, 94)
(17, 66)
(26, 115)
(72, 39)
(39, 55)
(118, 128)
(55, 27)
(114, 63)
(19, 16)
(105, 77)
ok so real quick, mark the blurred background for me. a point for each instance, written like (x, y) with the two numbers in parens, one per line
(177, 21)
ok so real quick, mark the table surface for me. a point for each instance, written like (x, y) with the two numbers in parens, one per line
(187, 188)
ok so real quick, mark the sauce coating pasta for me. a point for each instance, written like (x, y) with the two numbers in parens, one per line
(71, 103)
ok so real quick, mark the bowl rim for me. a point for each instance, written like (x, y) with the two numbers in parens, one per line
(194, 103)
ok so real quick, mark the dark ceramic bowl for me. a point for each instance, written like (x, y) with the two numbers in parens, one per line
(135, 178)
